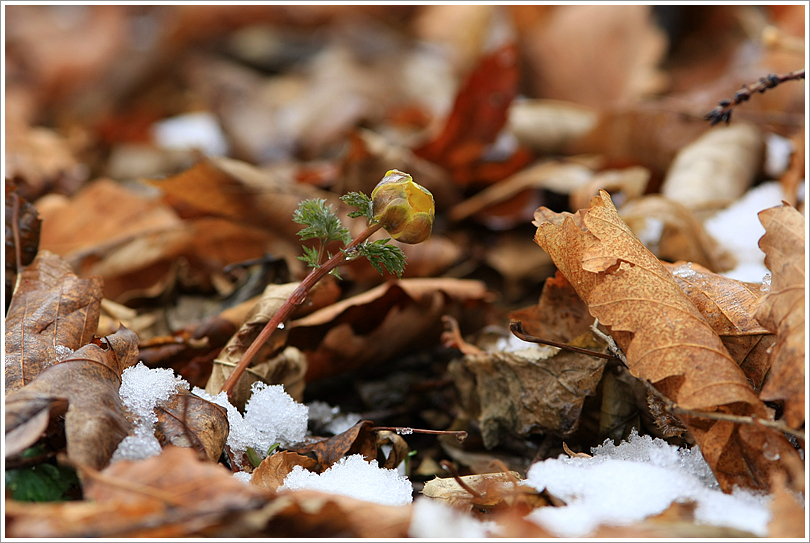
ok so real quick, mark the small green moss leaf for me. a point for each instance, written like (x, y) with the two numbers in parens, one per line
(41, 483)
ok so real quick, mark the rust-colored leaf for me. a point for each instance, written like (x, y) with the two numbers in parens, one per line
(52, 314)
(89, 380)
(782, 309)
(271, 472)
(187, 420)
(359, 439)
(478, 116)
(665, 338)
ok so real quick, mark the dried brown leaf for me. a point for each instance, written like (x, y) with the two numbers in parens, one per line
(665, 338)
(274, 469)
(186, 420)
(89, 380)
(359, 439)
(782, 309)
(52, 314)
(22, 235)
(512, 394)
(380, 323)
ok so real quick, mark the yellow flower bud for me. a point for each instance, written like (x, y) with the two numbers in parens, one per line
(404, 208)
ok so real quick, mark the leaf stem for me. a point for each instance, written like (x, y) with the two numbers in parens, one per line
(297, 298)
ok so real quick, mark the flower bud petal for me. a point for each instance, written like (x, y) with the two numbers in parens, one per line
(405, 208)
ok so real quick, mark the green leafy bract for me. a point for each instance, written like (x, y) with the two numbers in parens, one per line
(321, 222)
(380, 254)
(363, 204)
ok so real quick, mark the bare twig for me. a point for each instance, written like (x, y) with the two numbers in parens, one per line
(461, 435)
(722, 113)
(517, 329)
(449, 467)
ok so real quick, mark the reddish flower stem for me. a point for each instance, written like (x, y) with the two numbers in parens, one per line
(297, 298)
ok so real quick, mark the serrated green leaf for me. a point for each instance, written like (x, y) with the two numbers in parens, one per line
(311, 256)
(362, 202)
(382, 255)
(321, 222)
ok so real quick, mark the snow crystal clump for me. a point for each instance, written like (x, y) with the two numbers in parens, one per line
(243, 476)
(627, 483)
(352, 476)
(684, 271)
(271, 416)
(62, 352)
(330, 419)
(141, 391)
(765, 287)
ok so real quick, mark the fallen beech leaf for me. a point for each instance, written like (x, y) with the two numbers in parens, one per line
(274, 468)
(728, 306)
(359, 439)
(666, 340)
(671, 231)
(235, 190)
(517, 395)
(270, 364)
(380, 323)
(782, 310)
(52, 314)
(728, 155)
(187, 420)
(22, 227)
(89, 379)
(788, 513)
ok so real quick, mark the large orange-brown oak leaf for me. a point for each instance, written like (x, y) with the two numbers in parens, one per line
(665, 338)
(782, 309)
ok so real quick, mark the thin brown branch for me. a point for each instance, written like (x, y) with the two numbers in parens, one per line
(722, 113)
(517, 329)
(461, 435)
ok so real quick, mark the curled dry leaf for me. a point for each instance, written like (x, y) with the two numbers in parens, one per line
(359, 439)
(274, 469)
(665, 338)
(671, 231)
(186, 420)
(271, 365)
(715, 169)
(380, 323)
(493, 489)
(782, 309)
(728, 306)
(89, 379)
(52, 314)
(520, 395)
